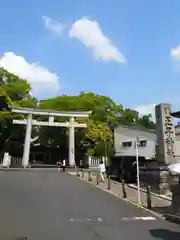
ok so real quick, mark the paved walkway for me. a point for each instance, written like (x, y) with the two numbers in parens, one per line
(159, 205)
(53, 206)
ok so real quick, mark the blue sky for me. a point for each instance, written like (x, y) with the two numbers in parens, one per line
(64, 49)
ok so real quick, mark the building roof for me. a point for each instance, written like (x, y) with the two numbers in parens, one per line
(176, 114)
(138, 127)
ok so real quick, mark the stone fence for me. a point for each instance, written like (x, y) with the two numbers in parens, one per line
(91, 161)
(13, 162)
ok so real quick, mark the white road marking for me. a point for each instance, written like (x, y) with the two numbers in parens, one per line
(71, 220)
(125, 219)
(139, 219)
(97, 219)
(148, 218)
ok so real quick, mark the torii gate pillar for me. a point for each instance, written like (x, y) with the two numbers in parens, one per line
(71, 143)
(27, 142)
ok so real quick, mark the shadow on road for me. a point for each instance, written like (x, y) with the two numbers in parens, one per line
(165, 234)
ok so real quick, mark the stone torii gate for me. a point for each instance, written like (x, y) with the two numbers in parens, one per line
(29, 122)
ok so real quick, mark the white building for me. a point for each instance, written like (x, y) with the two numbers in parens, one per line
(125, 137)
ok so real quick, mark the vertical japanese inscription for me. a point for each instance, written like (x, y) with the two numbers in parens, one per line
(165, 134)
(168, 133)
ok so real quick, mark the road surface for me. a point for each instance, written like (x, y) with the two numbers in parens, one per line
(56, 206)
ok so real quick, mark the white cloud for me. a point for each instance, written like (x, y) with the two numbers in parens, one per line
(146, 109)
(52, 25)
(43, 82)
(175, 53)
(91, 35)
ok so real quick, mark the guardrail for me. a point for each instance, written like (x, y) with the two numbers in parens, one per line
(14, 161)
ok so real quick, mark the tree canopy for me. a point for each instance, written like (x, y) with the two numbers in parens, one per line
(97, 139)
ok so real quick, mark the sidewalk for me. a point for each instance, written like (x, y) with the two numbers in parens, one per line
(166, 197)
(159, 205)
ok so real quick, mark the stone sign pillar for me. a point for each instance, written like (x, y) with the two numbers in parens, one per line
(158, 175)
(166, 152)
(165, 135)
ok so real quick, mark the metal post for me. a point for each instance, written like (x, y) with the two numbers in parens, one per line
(123, 189)
(137, 167)
(25, 160)
(109, 181)
(97, 178)
(149, 203)
(77, 171)
(82, 172)
(71, 143)
(89, 176)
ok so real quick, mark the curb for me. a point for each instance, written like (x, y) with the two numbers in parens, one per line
(154, 194)
(172, 218)
(160, 216)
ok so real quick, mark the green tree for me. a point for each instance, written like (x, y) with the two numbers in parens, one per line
(104, 110)
(146, 121)
(98, 136)
(17, 92)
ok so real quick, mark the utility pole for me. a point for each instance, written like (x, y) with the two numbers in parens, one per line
(137, 166)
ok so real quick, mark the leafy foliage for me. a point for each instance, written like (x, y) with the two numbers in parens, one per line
(106, 114)
(98, 137)
(17, 92)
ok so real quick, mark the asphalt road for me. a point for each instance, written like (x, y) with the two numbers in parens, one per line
(56, 206)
